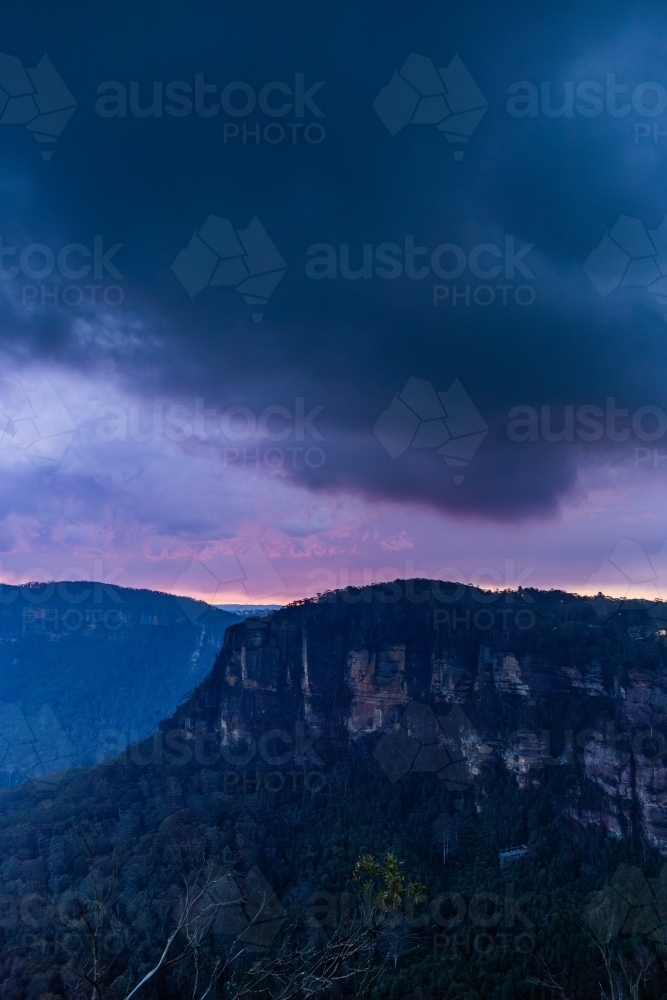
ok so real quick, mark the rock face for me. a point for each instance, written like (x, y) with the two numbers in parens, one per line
(459, 682)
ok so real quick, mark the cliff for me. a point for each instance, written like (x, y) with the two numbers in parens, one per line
(460, 682)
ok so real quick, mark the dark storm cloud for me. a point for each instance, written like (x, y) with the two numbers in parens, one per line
(553, 182)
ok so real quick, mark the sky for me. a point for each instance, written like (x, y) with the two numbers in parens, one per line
(295, 297)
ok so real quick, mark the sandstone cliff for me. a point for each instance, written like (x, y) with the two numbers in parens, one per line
(438, 678)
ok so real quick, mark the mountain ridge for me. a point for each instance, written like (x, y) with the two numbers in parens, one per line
(350, 662)
(88, 667)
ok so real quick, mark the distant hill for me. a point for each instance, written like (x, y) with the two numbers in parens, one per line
(86, 668)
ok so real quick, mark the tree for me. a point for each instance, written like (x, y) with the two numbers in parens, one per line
(300, 964)
(305, 969)
(93, 918)
(197, 909)
(635, 966)
(603, 924)
(192, 913)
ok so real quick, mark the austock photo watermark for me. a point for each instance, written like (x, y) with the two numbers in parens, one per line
(248, 261)
(629, 570)
(391, 585)
(630, 904)
(35, 421)
(245, 260)
(273, 113)
(447, 262)
(33, 747)
(635, 432)
(447, 98)
(450, 425)
(36, 98)
(423, 742)
(276, 437)
(37, 585)
(69, 274)
(243, 564)
(483, 924)
(244, 114)
(450, 747)
(423, 91)
(231, 761)
(587, 423)
(245, 910)
(447, 422)
(52, 619)
(631, 257)
(593, 99)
